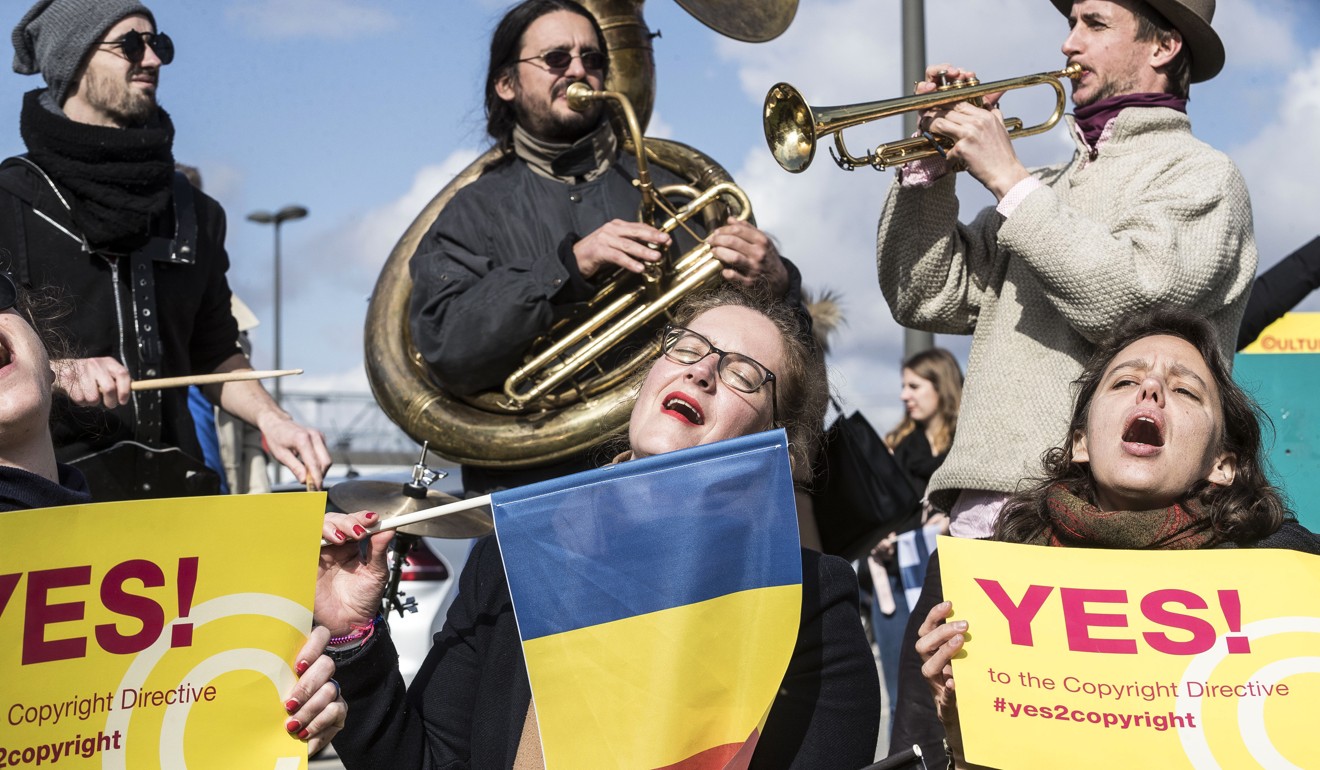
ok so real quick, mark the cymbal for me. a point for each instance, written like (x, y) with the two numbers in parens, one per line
(750, 22)
(387, 499)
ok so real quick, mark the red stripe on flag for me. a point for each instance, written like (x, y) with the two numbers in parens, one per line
(730, 756)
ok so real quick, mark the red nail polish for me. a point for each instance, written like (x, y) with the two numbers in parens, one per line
(303, 733)
(302, 667)
(358, 530)
(290, 705)
(293, 725)
(339, 536)
(368, 515)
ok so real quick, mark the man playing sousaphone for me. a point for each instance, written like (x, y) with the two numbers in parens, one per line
(1143, 217)
(529, 240)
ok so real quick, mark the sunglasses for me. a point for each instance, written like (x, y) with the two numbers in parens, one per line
(8, 292)
(134, 46)
(559, 60)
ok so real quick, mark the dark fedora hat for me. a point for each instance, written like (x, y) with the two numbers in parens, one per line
(1192, 19)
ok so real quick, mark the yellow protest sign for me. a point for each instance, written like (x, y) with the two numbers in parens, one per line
(155, 633)
(1293, 333)
(1090, 658)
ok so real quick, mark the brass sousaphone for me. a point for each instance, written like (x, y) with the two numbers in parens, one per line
(483, 430)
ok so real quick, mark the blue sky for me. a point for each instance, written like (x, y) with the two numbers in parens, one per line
(361, 110)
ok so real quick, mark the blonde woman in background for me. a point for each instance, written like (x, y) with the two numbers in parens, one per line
(931, 395)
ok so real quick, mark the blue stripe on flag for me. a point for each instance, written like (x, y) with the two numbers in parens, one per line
(649, 534)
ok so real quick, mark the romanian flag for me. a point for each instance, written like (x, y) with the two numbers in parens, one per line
(658, 603)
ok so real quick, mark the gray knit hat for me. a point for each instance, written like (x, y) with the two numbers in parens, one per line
(54, 36)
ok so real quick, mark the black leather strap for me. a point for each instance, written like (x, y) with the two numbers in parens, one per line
(18, 262)
(146, 320)
(185, 222)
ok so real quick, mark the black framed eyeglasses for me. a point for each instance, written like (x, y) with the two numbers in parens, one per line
(134, 46)
(559, 60)
(738, 371)
(8, 292)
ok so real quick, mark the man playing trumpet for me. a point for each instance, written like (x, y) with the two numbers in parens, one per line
(530, 239)
(1144, 216)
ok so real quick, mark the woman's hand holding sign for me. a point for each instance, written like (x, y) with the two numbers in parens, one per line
(316, 709)
(939, 642)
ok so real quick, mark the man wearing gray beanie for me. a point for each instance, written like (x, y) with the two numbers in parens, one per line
(95, 213)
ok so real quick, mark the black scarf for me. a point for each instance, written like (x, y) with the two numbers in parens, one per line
(20, 490)
(120, 178)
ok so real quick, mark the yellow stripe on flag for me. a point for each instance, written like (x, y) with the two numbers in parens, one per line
(654, 689)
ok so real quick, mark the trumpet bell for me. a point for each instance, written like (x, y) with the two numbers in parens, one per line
(790, 128)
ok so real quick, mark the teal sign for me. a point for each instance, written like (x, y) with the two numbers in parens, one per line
(1286, 385)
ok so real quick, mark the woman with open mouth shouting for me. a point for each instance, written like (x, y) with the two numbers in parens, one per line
(1163, 452)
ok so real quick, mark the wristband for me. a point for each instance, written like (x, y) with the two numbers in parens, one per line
(356, 636)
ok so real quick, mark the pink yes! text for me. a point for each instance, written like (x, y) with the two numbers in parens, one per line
(1086, 611)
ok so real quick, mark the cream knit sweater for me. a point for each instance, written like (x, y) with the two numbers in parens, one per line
(1159, 218)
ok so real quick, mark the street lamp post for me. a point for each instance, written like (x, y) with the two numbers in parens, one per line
(913, 21)
(286, 214)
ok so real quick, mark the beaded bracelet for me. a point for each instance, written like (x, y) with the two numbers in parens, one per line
(356, 637)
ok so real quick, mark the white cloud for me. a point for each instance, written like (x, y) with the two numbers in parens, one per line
(1258, 35)
(368, 238)
(1281, 165)
(323, 19)
(659, 127)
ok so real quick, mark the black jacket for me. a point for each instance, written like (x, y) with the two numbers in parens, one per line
(197, 327)
(496, 270)
(467, 706)
(21, 490)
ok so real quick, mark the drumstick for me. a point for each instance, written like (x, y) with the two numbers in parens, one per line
(210, 379)
(424, 515)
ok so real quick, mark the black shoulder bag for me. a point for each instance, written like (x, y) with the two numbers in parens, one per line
(860, 494)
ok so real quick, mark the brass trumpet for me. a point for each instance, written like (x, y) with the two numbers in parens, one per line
(624, 305)
(792, 127)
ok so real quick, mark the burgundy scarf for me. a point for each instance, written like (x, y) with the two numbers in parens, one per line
(1093, 118)
(1077, 523)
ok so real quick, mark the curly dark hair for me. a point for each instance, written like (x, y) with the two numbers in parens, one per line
(44, 312)
(505, 46)
(1245, 511)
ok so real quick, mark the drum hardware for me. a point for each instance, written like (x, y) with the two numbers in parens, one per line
(389, 500)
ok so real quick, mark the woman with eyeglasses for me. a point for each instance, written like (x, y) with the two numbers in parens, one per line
(1163, 453)
(732, 364)
(31, 478)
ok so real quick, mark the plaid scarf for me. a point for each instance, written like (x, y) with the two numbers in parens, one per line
(1079, 524)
